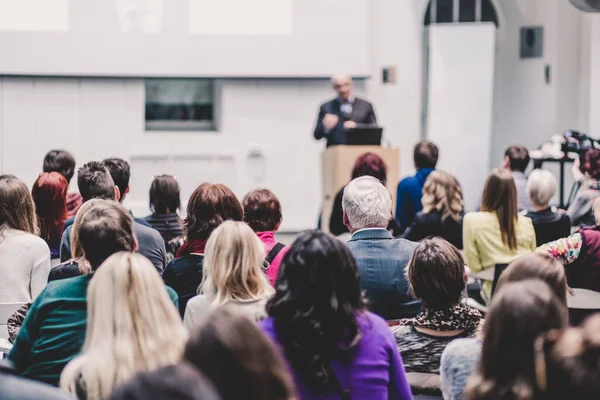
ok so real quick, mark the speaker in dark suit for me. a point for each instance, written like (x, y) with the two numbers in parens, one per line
(343, 113)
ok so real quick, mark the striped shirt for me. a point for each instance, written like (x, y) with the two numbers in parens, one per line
(168, 225)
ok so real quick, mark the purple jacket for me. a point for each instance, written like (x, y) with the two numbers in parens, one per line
(376, 373)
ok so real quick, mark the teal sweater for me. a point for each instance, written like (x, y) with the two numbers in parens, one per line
(53, 332)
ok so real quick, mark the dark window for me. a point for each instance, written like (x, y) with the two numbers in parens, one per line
(466, 11)
(488, 12)
(445, 11)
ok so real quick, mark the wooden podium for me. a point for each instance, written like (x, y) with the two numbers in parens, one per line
(337, 163)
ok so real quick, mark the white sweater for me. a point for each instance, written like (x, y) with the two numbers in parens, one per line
(24, 266)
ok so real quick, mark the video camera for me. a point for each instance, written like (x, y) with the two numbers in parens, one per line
(577, 142)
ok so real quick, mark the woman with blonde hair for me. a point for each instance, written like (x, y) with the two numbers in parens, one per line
(233, 274)
(133, 326)
(442, 213)
(24, 257)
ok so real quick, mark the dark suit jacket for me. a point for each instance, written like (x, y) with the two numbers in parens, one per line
(431, 225)
(381, 261)
(362, 113)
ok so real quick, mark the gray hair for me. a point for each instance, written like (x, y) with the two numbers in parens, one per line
(367, 203)
(541, 186)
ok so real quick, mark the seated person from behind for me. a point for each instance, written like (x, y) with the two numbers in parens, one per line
(580, 211)
(548, 224)
(16, 388)
(368, 164)
(63, 162)
(95, 182)
(437, 277)
(49, 194)
(381, 259)
(54, 329)
(165, 200)
(516, 160)
(442, 212)
(262, 212)
(410, 190)
(208, 207)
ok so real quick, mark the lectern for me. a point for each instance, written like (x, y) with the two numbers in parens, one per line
(337, 163)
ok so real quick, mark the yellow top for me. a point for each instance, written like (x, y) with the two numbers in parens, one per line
(483, 242)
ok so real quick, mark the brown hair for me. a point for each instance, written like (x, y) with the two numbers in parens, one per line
(425, 154)
(76, 250)
(538, 266)
(106, 228)
(519, 158)
(209, 206)
(442, 193)
(500, 196)
(17, 209)
(519, 313)
(436, 273)
(262, 210)
(164, 195)
(228, 348)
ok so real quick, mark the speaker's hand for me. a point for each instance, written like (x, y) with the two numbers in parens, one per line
(330, 121)
(350, 125)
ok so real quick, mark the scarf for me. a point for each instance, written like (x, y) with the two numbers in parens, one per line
(193, 246)
(458, 317)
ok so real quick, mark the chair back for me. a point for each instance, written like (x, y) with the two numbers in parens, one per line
(584, 299)
(6, 310)
(498, 270)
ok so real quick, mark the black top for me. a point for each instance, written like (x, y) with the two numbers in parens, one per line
(184, 275)
(17, 388)
(68, 269)
(168, 225)
(549, 225)
(430, 224)
(362, 113)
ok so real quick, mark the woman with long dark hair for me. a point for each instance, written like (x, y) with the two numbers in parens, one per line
(497, 234)
(50, 197)
(335, 348)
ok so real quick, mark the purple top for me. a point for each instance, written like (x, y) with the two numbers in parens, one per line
(376, 373)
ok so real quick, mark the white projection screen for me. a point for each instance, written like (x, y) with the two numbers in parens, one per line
(460, 102)
(184, 38)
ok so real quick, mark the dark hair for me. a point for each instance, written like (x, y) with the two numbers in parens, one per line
(209, 206)
(94, 182)
(232, 351)
(60, 161)
(518, 157)
(175, 382)
(50, 197)
(519, 313)
(538, 266)
(262, 210)
(370, 164)
(425, 155)
(572, 361)
(315, 305)
(106, 228)
(17, 209)
(164, 195)
(120, 172)
(591, 163)
(436, 272)
(500, 196)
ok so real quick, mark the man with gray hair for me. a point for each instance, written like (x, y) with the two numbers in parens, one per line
(381, 259)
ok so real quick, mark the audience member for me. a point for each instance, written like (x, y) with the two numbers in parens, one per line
(262, 211)
(442, 213)
(368, 164)
(24, 257)
(165, 201)
(437, 277)
(15, 388)
(335, 348)
(50, 197)
(519, 313)
(63, 162)
(232, 275)
(242, 363)
(461, 357)
(175, 382)
(549, 225)
(138, 330)
(208, 207)
(497, 234)
(95, 182)
(410, 190)
(571, 362)
(54, 329)
(381, 258)
(580, 211)
(516, 160)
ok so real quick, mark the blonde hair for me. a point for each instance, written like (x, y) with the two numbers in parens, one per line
(17, 209)
(442, 193)
(541, 186)
(133, 326)
(596, 209)
(232, 268)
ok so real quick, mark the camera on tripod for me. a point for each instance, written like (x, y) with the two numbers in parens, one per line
(577, 142)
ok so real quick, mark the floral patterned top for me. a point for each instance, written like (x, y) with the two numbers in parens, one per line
(566, 250)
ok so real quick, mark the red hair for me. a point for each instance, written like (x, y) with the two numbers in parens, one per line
(50, 197)
(370, 164)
